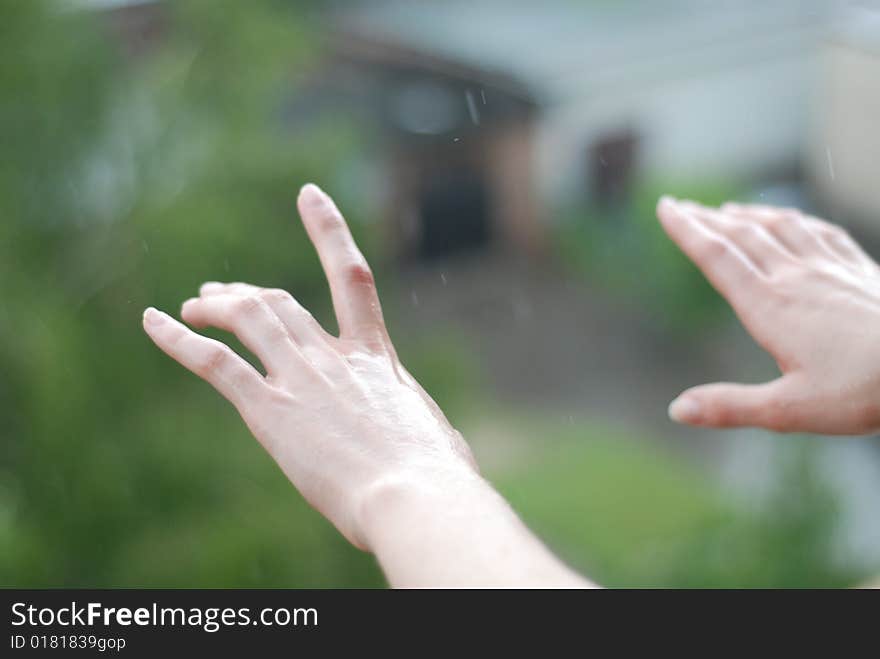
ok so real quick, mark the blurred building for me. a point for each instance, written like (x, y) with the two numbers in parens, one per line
(498, 106)
(456, 143)
(491, 113)
(844, 156)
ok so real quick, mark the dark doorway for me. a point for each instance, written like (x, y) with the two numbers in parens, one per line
(454, 211)
(613, 160)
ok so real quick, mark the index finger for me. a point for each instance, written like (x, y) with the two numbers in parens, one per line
(351, 281)
(733, 274)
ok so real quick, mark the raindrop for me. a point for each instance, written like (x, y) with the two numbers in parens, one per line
(415, 298)
(483, 95)
(830, 162)
(145, 246)
(443, 278)
(472, 107)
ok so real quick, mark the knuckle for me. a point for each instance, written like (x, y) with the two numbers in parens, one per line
(276, 332)
(280, 398)
(740, 231)
(174, 336)
(836, 233)
(718, 415)
(789, 213)
(359, 272)
(786, 281)
(329, 219)
(827, 230)
(712, 248)
(775, 223)
(216, 357)
(271, 295)
(776, 414)
(247, 305)
(242, 379)
(277, 296)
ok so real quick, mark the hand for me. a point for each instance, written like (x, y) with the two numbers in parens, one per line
(341, 416)
(809, 296)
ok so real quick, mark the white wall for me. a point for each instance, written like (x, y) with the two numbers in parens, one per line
(739, 121)
(847, 132)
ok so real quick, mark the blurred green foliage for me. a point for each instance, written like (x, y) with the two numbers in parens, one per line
(626, 250)
(632, 515)
(126, 182)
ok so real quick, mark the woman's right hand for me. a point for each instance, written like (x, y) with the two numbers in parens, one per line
(809, 295)
(341, 415)
(352, 429)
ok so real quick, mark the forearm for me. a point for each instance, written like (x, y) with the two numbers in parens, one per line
(457, 532)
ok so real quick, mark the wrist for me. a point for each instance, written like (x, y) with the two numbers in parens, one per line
(417, 495)
(453, 530)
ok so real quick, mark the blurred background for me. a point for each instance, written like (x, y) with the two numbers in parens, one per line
(499, 163)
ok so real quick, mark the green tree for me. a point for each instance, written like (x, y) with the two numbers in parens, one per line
(126, 181)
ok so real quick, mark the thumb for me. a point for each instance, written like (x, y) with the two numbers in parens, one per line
(727, 405)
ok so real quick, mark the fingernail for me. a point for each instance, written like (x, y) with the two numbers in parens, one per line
(152, 317)
(667, 200)
(209, 286)
(311, 194)
(684, 409)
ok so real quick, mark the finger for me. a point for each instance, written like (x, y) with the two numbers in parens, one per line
(351, 281)
(301, 325)
(726, 405)
(232, 376)
(806, 235)
(255, 325)
(725, 265)
(759, 209)
(315, 345)
(838, 241)
(762, 248)
(786, 224)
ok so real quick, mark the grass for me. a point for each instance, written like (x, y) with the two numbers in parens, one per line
(630, 514)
